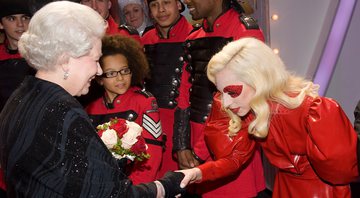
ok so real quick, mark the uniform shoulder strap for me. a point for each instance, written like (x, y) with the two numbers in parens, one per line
(249, 22)
(145, 93)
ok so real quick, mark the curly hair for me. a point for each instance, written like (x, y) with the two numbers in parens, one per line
(132, 50)
(255, 64)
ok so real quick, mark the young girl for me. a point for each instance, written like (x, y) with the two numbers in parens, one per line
(124, 68)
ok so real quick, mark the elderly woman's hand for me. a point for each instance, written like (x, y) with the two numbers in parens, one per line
(191, 176)
(170, 183)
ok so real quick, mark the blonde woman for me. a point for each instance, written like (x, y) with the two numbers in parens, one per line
(307, 137)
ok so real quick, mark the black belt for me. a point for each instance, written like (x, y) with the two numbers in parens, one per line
(157, 142)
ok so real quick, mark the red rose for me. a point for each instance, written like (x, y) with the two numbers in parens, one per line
(139, 147)
(100, 132)
(132, 146)
(120, 127)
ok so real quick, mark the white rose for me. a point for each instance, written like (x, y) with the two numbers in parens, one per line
(109, 137)
(130, 137)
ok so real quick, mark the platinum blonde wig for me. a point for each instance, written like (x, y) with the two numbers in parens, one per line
(255, 64)
(58, 31)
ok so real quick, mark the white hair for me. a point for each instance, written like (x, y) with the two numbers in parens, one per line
(58, 31)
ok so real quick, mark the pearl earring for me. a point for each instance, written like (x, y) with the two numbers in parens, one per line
(66, 75)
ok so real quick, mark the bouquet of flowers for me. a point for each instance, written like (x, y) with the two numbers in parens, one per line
(123, 138)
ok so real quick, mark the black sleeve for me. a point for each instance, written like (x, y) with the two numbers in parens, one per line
(103, 177)
(181, 136)
(171, 183)
(143, 190)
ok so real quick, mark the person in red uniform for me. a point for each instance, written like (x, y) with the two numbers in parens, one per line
(223, 21)
(125, 66)
(163, 46)
(307, 137)
(14, 20)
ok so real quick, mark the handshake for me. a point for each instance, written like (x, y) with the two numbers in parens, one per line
(173, 183)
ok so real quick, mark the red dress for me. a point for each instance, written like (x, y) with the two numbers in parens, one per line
(135, 105)
(313, 146)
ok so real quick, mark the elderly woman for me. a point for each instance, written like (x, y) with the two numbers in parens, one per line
(48, 146)
(135, 14)
(307, 137)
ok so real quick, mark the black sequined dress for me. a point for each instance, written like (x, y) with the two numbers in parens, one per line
(49, 148)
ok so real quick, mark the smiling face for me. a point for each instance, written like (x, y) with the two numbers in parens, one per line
(200, 9)
(119, 84)
(165, 12)
(236, 95)
(14, 26)
(134, 15)
(84, 69)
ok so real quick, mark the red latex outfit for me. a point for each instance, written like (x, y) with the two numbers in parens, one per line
(133, 105)
(153, 39)
(250, 181)
(313, 146)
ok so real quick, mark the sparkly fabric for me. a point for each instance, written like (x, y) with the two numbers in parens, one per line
(49, 148)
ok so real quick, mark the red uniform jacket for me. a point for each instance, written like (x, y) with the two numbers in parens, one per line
(176, 36)
(313, 146)
(177, 33)
(142, 108)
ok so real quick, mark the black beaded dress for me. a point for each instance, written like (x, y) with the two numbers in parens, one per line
(49, 148)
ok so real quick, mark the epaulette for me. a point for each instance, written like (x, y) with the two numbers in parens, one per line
(145, 93)
(249, 22)
(196, 26)
(131, 30)
(148, 28)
